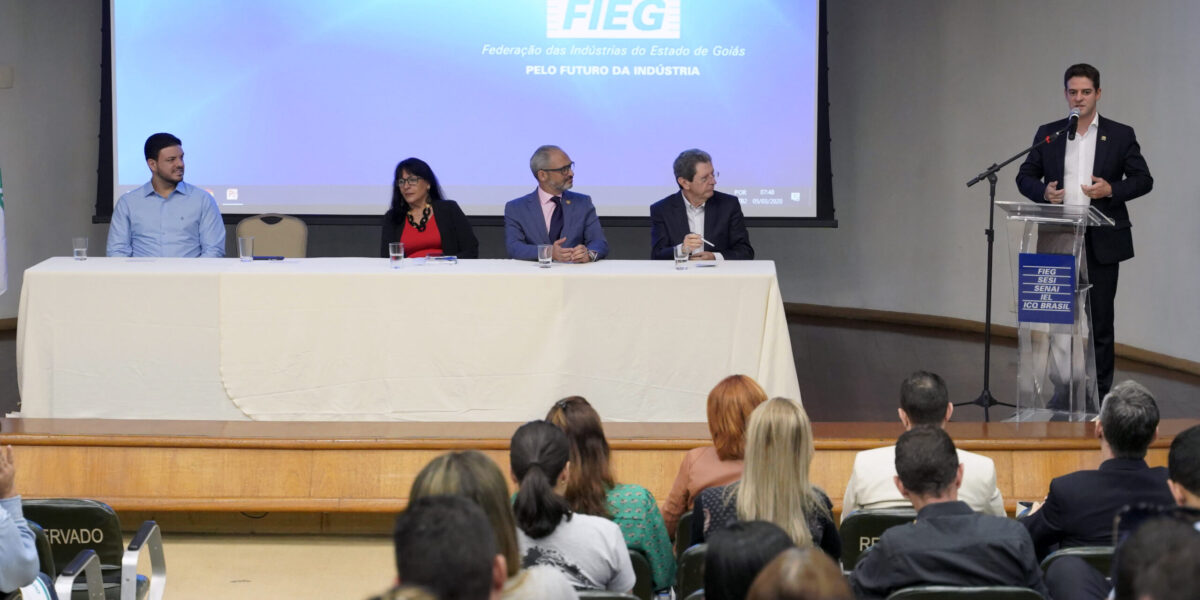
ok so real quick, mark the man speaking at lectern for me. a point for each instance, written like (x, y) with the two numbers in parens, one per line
(1101, 165)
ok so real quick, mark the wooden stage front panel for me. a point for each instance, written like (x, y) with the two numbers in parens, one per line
(369, 467)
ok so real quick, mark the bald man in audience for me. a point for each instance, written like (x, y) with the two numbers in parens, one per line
(923, 401)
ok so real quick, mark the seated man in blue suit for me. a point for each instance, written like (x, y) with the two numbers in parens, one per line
(698, 215)
(552, 215)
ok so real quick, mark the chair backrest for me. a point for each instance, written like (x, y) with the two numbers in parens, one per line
(1099, 557)
(696, 595)
(862, 529)
(683, 534)
(45, 554)
(603, 595)
(690, 576)
(952, 592)
(73, 525)
(643, 585)
(276, 235)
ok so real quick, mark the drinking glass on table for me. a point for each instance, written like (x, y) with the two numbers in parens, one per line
(246, 248)
(396, 254)
(545, 254)
(681, 257)
(80, 245)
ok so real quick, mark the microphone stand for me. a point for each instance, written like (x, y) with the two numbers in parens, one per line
(985, 398)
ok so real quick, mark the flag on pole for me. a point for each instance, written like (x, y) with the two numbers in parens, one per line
(3, 243)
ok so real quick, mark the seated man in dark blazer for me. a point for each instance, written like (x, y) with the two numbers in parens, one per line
(948, 544)
(552, 215)
(707, 223)
(1080, 507)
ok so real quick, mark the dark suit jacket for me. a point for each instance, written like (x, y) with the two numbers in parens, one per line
(525, 226)
(1080, 507)
(724, 226)
(458, 239)
(1118, 161)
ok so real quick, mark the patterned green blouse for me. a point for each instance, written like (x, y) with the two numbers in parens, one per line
(633, 508)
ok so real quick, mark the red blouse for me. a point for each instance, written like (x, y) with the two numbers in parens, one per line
(421, 243)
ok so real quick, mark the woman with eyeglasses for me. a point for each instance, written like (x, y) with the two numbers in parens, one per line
(423, 219)
(592, 490)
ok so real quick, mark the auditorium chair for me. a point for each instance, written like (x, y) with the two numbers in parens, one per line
(603, 595)
(73, 525)
(952, 592)
(275, 235)
(683, 534)
(47, 587)
(1099, 557)
(45, 554)
(696, 595)
(42, 588)
(643, 584)
(690, 576)
(862, 529)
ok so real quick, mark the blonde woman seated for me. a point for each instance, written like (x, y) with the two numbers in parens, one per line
(591, 489)
(473, 475)
(775, 485)
(729, 406)
(589, 550)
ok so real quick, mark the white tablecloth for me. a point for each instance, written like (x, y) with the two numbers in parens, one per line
(352, 339)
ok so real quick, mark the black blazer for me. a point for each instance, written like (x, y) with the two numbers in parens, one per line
(1118, 161)
(1080, 507)
(458, 239)
(724, 226)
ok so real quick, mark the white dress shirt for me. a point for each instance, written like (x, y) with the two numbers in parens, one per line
(695, 218)
(1077, 168)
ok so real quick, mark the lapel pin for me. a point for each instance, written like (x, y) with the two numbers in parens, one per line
(1104, 138)
(567, 201)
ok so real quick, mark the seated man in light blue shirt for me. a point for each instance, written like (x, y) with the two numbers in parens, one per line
(18, 554)
(166, 217)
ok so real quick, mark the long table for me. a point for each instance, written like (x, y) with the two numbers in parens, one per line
(352, 339)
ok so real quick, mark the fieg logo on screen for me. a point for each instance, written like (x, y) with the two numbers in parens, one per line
(613, 19)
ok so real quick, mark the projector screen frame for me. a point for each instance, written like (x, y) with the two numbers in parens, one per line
(825, 217)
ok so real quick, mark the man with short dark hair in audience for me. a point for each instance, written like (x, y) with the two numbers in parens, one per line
(18, 554)
(923, 401)
(1160, 561)
(1080, 507)
(948, 544)
(1183, 468)
(445, 545)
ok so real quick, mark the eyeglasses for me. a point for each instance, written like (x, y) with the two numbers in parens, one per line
(562, 170)
(414, 180)
(710, 178)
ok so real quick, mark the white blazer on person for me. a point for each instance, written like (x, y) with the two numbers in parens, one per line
(872, 485)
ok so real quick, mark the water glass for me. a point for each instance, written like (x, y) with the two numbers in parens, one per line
(396, 254)
(246, 248)
(681, 258)
(80, 245)
(545, 253)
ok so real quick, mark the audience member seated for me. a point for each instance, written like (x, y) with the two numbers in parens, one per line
(591, 489)
(18, 554)
(1159, 562)
(1183, 468)
(923, 401)
(589, 550)
(438, 547)
(729, 406)
(775, 486)
(1070, 578)
(736, 554)
(948, 544)
(473, 475)
(1080, 507)
(800, 574)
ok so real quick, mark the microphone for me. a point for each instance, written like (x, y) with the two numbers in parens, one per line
(1072, 123)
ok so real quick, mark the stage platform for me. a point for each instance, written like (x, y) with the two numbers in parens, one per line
(160, 467)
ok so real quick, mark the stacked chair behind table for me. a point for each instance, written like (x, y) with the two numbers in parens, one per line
(74, 525)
